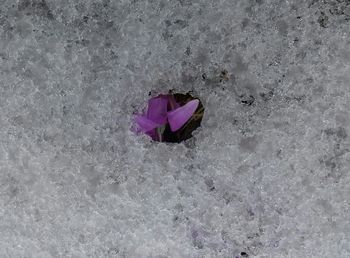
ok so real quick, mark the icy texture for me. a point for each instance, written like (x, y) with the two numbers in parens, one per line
(267, 174)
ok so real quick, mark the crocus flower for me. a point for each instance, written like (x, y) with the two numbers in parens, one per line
(164, 110)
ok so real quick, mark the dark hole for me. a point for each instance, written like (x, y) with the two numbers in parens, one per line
(224, 76)
(248, 100)
(244, 254)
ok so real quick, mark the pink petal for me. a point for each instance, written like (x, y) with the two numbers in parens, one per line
(145, 124)
(157, 110)
(178, 117)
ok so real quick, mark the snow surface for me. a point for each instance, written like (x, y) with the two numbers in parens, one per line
(267, 174)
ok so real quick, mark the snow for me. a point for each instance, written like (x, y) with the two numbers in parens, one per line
(267, 173)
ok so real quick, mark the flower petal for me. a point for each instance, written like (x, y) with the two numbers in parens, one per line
(178, 117)
(157, 110)
(145, 124)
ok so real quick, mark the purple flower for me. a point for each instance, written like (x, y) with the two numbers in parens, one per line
(179, 116)
(163, 110)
